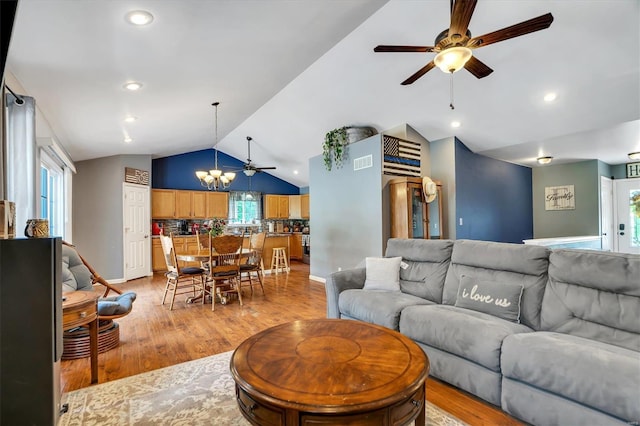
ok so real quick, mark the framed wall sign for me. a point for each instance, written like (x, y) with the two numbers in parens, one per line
(633, 170)
(559, 198)
(140, 177)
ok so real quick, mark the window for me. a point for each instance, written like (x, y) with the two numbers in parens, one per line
(52, 195)
(245, 207)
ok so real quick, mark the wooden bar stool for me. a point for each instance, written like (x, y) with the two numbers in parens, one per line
(279, 259)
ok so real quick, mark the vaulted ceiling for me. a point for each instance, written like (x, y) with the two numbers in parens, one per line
(285, 72)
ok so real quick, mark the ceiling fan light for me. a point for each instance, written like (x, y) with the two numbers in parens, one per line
(544, 160)
(452, 59)
(249, 172)
(634, 155)
(215, 173)
(230, 176)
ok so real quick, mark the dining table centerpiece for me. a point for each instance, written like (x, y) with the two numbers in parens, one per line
(216, 227)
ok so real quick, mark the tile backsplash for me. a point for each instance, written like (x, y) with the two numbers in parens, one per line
(186, 227)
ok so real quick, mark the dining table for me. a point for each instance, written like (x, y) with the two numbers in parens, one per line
(203, 255)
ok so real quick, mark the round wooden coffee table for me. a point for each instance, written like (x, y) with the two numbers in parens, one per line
(330, 371)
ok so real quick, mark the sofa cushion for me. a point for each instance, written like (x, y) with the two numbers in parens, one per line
(595, 295)
(471, 335)
(500, 299)
(501, 262)
(426, 267)
(377, 307)
(586, 371)
(382, 273)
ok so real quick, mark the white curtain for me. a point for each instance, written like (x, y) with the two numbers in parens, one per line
(245, 207)
(21, 159)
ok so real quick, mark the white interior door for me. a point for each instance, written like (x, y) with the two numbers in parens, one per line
(137, 243)
(627, 214)
(606, 213)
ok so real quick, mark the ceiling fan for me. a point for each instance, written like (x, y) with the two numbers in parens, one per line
(249, 169)
(454, 45)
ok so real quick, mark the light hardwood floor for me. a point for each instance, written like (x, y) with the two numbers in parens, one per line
(153, 337)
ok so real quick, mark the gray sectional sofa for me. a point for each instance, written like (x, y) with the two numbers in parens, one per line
(570, 357)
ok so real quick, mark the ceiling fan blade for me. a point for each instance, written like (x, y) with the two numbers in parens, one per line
(387, 48)
(265, 168)
(477, 67)
(460, 18)
(422, 71)
(526, 27)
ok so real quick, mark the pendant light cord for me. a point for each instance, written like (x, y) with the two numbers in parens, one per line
(215, 145)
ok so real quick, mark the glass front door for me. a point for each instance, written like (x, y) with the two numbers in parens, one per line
(627, 193)
(417, 213)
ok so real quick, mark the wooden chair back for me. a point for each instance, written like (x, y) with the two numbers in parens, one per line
(256, 245)
(204, 241)
(170, 257)
(225, 254)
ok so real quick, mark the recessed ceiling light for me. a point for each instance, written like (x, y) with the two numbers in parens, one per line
(544, 160)
(133, 86)
(128, 139)
(130, 118)
(634, 155)
(139, 17)
(295, 172)
(550, 97)
(455, 124)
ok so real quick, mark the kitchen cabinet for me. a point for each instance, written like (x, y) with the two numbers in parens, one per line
(295, 246)
(199, 204)
(304, 206)
(276, 206)
(411, 216)
(183, 204)
(190, 204)
(157, 256)
(217, 205)
(295, 207)
(182, 243)
(177, 204)
(163, 203)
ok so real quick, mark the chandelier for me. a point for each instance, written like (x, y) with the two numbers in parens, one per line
(215, 179)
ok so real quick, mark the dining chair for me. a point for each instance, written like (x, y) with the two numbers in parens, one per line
(254, 263)
(224, 259)
(180, 280)
(204, 241)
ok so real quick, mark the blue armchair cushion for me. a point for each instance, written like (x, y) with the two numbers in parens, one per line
(116, 305)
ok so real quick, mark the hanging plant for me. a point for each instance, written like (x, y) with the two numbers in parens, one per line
(334, 147)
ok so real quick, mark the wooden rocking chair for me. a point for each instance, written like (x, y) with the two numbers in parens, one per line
(79, 275)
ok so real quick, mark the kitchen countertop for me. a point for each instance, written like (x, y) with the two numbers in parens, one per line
(269, 234)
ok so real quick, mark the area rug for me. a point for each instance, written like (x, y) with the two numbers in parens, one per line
(199, 392)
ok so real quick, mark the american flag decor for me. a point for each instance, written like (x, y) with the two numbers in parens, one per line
(401, 158)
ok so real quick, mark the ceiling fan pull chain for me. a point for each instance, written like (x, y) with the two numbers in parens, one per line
(451, 93)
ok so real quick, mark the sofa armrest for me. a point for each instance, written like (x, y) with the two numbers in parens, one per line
(337, 283)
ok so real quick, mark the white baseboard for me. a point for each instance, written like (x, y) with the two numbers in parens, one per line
(319, 279)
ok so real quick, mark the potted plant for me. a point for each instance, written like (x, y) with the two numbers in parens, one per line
(333, 148)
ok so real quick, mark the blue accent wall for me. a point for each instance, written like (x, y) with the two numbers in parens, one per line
(493, 198)
(179, 172)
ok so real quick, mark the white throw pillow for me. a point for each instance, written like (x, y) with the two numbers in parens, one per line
(382, 273)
